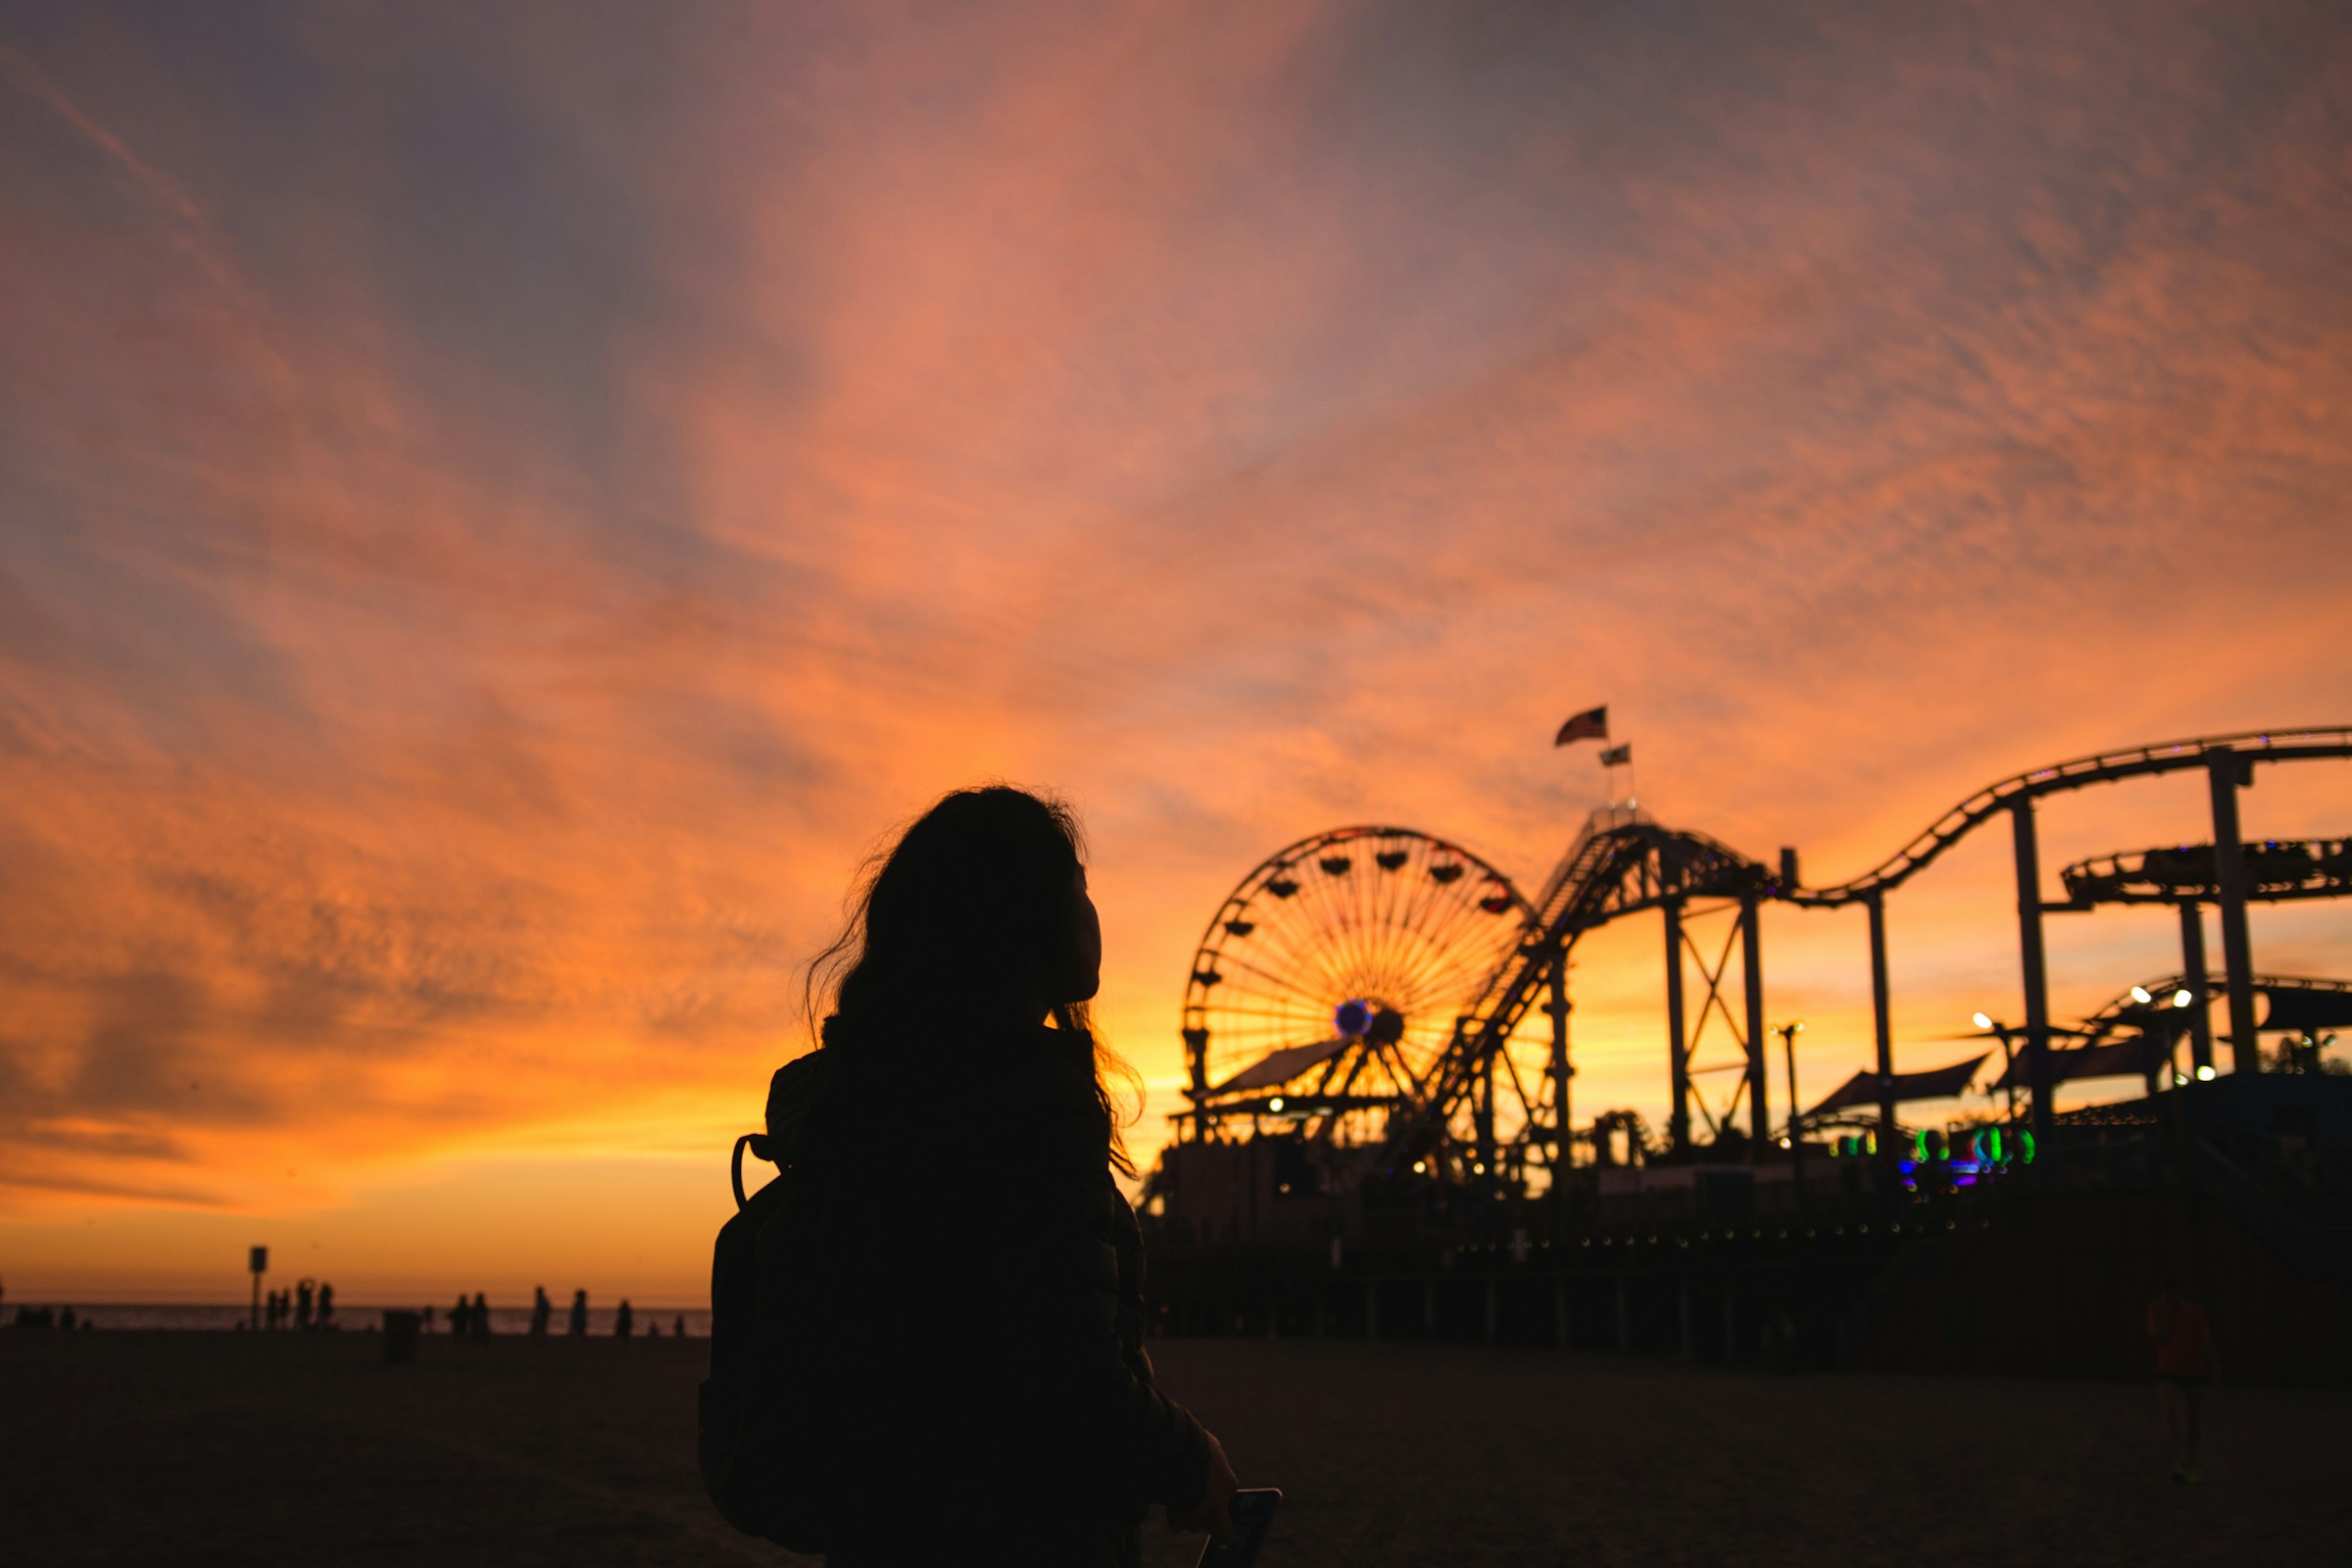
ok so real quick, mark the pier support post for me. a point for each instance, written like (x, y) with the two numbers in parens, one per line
(1678, 1122)
(2032, 965)
(1752, 979)
(1882, 1032)
(1625, 1315)
(2224, 772)
(2193, 980)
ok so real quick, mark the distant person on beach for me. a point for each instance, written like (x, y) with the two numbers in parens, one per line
(579, 1314)
(326, 1307)
(1033, 1429)
(541, 1310)
(677, 1329)
(428, 1317)
(482, 1315)
(460, 1317)
(623, 1321)
(302, 1305)
(2185, 1361)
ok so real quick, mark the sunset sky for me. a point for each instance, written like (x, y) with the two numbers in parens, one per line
(502, 507)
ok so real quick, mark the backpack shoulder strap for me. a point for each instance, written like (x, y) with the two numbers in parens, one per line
(757, 1144)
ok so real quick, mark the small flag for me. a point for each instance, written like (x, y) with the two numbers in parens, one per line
(1593, 725)
(1618, 756)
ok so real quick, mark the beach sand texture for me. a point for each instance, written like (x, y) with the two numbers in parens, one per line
(162, 1449)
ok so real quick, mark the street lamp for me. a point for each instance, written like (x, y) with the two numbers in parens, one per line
(1993, 1026)
(1797, 1133)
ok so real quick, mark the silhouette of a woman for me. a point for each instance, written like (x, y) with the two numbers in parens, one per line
(980, 1272)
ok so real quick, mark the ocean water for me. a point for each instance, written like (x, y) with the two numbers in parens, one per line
(355, 1318)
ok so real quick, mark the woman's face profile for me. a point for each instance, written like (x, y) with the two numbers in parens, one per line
(1083, 976)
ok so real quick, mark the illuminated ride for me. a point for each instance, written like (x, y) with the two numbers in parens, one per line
(1328, 996)
(1324, 990)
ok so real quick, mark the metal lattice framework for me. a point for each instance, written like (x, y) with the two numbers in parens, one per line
(1326, 989)
(1500, 1105)
(2277, 870)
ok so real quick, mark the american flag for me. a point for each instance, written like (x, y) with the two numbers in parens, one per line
(1618, 756)
(1593, 725)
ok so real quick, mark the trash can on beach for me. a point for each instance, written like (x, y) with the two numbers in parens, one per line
(400, 1336)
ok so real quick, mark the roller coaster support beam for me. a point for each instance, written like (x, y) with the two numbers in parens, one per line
(1677, 1125)
(2032, 965)
(2225, 771)
(1883, 1032)
(1752, 983)
(2193, 980)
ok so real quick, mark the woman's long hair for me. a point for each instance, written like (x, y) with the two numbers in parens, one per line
(957, 933)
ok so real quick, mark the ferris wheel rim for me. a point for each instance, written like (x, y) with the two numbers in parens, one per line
(1256, 883)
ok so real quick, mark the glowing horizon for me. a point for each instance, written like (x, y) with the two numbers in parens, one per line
(501, 518)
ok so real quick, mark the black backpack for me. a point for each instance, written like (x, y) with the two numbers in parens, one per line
(760, 1409)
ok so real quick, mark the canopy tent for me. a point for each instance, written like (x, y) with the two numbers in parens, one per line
(1279, 1068)
(2299, 1009)
(2133, 1057)
(1939, 1083)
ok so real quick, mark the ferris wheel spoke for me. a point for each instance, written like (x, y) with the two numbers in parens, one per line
(1290, 942)
(1282, 983)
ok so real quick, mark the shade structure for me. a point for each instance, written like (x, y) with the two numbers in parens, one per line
(2308, 1009)
(2133, 1057)
(1938, 1083)
(1279, 1068)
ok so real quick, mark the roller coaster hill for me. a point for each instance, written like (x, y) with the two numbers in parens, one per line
(1379, 1133)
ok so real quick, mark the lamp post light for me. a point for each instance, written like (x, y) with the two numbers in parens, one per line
(2007, 1037)
(1797, 1133)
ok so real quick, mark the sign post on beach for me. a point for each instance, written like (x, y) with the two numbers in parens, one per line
(258, 1259)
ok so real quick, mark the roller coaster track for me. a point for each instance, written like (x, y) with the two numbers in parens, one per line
(2256, 746)
(2128, 1011)
(2277, 870)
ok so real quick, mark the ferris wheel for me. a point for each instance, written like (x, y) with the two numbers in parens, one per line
(1330, 981)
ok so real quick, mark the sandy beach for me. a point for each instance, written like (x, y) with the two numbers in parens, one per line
(201, 1449)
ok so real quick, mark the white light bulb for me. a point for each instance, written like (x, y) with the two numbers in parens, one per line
(2205, 1075)
(1275, 1103)
(1982, 1021)
(2140, 993)
(2182, 997)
